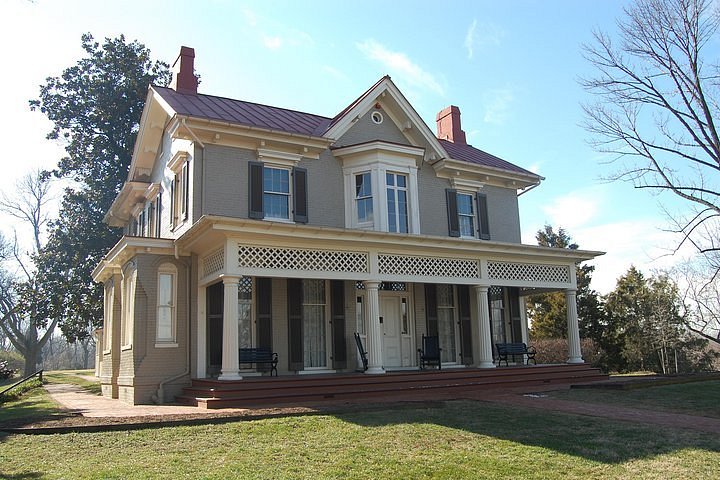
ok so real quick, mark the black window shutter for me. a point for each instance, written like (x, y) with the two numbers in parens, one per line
(453, 220)
(263, 286)
(431, 311)
(255, 189)
(483, 223)
(337, 300)
(515, 318)
(185, 189)
(300, 207)
(465, 324)
(295, 324)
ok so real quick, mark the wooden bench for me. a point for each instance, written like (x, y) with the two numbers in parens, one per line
(361, 350)
(430, 352)
(260, 356)
(506, 350)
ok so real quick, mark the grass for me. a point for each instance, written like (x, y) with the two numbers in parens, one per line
(461, 439)
(697, 398)
(32, 405)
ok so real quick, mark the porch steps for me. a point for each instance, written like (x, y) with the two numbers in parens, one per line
(272, 391)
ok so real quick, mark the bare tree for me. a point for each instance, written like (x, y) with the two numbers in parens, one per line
(23, 311)
(700, 289)
(656, 92)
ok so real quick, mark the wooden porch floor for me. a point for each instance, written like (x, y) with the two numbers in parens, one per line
(294, 389)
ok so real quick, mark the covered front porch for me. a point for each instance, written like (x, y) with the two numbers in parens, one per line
(285, 283)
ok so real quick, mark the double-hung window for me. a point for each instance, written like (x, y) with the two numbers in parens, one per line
(363, 198)
(466, 214)
(179, 188)
(166, 304)
(397, 203)
(276, 192)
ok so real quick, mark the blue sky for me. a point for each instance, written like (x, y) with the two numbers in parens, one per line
(512, 68)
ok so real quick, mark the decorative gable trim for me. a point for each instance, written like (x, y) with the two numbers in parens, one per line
(380, 92)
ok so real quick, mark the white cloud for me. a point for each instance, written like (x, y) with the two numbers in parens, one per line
(399, 63)
(573, 210)
(470, 38)
(496, 104)
(482, 35)
(250, 17)
(273, 43)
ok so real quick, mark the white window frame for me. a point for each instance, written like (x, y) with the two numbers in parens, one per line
(129, 286)
(109, 309)
(396, 189)
(367, 224)
(473, 217)
(161, 339)
(289, 195)
(179, 164)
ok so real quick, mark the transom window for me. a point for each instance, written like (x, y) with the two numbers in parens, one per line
(397, 202)
(276, 192)
(466, 214)
(363, 197)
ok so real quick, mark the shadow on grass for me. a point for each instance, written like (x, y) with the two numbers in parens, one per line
(594, 439)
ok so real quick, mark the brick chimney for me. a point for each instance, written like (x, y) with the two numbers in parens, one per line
(183, 76)
(448, 125)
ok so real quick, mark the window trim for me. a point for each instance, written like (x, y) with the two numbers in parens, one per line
(288, 196)
(365, 223)
(171, 270)
(396, 189)
(108, 320)
(472, 216)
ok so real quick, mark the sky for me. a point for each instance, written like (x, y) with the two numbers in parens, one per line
(511, 67)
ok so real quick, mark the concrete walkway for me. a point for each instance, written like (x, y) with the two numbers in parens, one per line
(77, 400)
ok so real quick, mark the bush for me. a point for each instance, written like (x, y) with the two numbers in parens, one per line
(18, 391)
(13, 358)
(555, 350)
(5, 370)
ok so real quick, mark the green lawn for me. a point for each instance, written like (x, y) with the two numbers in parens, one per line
(460, 439)
(697, 398)
(75, 377)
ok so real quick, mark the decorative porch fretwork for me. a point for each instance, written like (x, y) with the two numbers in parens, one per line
(528, 272)
(299, 259)
(214, 263)
(427, 266)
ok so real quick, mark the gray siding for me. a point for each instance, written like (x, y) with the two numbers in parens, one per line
(326, 199)
(433, 204)
(365, 130)
(503, 214)
(225, 181)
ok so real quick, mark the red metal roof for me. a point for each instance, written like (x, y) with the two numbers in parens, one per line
(470, 154)
(244, 113)
(291, 121)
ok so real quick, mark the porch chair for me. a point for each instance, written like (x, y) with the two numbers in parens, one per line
(430, 352)
(363, 353)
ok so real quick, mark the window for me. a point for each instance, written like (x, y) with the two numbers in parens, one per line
(466, 214)
(446, 321)
(397, 202)
(166, 304)
(363, 198)
(462, 215)
(158, 215)
(313, 313)
(108, 315)
(179, 189)
(276, 192)
(128, 304)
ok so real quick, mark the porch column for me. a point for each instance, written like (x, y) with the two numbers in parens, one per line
(230, 351)
(574, 354)
(483, 315)
(375, 332)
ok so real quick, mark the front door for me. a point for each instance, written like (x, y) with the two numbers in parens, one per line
(390, 313)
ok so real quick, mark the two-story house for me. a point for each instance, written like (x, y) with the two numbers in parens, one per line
(248, 225)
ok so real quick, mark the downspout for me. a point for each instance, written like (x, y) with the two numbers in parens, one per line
(159, 397)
